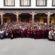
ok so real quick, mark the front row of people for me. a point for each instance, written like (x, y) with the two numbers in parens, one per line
(9, 31)
(50, 34)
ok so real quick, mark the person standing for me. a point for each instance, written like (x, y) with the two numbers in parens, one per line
(51, 34)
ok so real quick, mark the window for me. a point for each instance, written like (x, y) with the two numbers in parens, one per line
(53, 2)
(25, 2)
(9, 2)
(41, 2)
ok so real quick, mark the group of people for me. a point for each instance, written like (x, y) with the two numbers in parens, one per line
(8, 27)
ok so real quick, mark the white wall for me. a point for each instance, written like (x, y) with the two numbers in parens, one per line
(33, 4)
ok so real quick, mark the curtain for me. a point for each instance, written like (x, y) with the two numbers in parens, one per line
(9, 2)
(53, 2)
(25, 2)
(41, 2)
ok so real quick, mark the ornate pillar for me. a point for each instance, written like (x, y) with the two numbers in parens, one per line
(17, 16)
(48, 18)
(33, 13)
(1, 18)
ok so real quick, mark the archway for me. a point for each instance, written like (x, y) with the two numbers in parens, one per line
(52, 19)
(0, 19)
(25, 17)
(9, 16)
(40, 17)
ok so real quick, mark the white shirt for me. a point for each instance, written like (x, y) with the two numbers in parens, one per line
(1, 32)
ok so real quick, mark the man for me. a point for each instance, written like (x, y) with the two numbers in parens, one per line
(51, 34)
(54, 34)
(2, 33)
